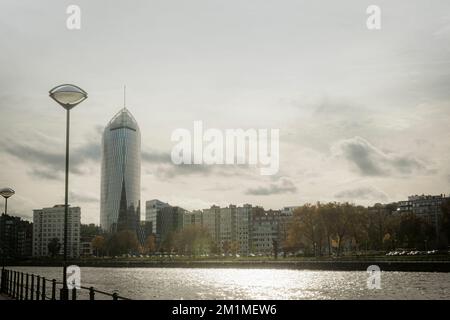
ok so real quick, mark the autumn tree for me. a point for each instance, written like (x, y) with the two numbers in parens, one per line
(122, 242)
(150, 244)
(98, 244)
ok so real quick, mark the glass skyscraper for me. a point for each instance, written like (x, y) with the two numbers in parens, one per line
(121, 174)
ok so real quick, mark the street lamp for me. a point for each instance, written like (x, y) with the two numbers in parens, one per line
(6, 193)
(68, 96)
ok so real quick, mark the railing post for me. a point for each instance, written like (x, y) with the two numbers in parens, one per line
(26, 287)
(74, 293)
(5, 281)
(14, 285)
(18, 286)
(2, 280)
(53, 289)
(91, 293)
(21, 286)
(38, 293)
(43, 288)
(114, 295)
(2, 289)
(11, 284)
(32, 287)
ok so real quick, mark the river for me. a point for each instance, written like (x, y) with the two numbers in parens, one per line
(197, 283)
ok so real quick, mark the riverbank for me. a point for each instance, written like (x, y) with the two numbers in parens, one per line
(359, 264)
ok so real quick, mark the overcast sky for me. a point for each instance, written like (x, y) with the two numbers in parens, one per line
(363, 115)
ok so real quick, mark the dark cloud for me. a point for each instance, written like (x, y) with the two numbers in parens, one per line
(283, 186)
(361, 193)
(49, 164)
(46, 174)
(371, 161)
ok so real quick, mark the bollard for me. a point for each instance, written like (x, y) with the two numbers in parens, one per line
(74, 293)
(91, 293)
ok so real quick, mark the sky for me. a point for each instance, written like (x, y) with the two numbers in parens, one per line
(363, 114)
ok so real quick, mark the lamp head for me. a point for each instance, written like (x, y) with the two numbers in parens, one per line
(68, 95)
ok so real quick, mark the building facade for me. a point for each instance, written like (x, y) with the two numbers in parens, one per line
(48, 224)
(193, 218)
(152, 207)
(121, 174)
(169, 219)
(264, 231)
(211, 221)
(16, 237)
(427, 207)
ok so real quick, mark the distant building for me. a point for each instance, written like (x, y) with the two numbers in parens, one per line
(211, 221)
(284, 221)
(168, 220)
(226, 228)
(16, 237)
(145, 231)
(86, 248)
(121, 174)
(264, 230)
(241, 230)
(427, 207)
(193, 218)
(48, 223)
(152, 207)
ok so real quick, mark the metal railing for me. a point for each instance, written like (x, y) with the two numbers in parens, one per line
(24, 286)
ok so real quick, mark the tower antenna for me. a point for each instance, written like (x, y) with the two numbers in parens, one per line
(124, 96)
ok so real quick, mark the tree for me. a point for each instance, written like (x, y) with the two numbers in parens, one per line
(150, 244)
(306, 230)
(54, 246)
(445, 225)
(98, 244)
(226, 247)
(122, 242)
(193, 240)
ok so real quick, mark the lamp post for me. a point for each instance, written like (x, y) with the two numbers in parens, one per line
(6, 193)
(68, 96)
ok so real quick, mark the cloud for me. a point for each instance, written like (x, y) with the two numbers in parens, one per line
(48, 164)
(283, 186)
(362, 193)
(172, 170)
(156, 157)
(163, 167)
(83, 197)
(371, 161)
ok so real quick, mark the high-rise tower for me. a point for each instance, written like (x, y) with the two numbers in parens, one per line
(121, 174)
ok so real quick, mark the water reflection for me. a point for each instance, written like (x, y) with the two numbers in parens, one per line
(184, 283)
